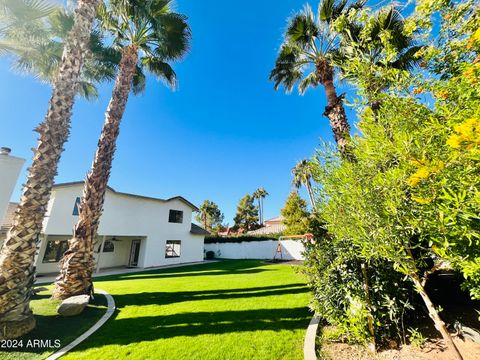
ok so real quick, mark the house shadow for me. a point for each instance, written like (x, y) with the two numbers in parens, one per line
(150, 328)
(165, 298)
(224, 267)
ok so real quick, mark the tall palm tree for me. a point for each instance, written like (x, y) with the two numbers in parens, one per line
(37, 51)
(370, 46)
(17, 254)
(260, 194)
(149, 35)
(302, 175)
(306, 58)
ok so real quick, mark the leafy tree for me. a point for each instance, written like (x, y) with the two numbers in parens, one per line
(17, 254)
(210, 216)
(247, 213)
(411, 196)
(382, 39)
(150, 36)
(296, 215)
(306, 58)
(302, 175)
(260, 194)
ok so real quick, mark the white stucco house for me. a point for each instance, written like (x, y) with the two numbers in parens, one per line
(134, 231)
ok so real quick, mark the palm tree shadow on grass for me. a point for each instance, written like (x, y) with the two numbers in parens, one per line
(225, 267)
(165, 298)
(151, 328)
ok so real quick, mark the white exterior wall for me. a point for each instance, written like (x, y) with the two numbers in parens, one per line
(291, 250)
(125, 216)
(10, 167)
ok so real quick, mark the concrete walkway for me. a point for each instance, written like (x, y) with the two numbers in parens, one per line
(50, 278)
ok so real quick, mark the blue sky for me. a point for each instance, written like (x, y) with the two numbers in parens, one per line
(221, 135)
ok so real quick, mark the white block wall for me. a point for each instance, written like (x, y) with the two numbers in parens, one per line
(10, 167)
(291, 250)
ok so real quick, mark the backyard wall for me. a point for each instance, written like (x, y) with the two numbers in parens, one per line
(291, 250)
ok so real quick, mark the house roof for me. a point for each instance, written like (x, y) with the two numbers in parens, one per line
(6, 222)
(271, 229)
(277, 219)
(182, 199)
(198, 230)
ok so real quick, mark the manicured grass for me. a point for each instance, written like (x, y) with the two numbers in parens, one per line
(51, 327)
(226, 310)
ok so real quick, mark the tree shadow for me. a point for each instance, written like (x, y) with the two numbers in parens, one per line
(224, 267)
(165, 298)
(150, 328)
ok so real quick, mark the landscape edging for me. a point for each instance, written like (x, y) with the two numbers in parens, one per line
(95, 327)
(309, 352)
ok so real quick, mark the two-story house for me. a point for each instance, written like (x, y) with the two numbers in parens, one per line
(134, 231)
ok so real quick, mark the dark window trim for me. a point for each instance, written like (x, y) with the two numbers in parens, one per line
(170, 250)
(112, 247)
(76, 207)
(59, 254)
(175, 216)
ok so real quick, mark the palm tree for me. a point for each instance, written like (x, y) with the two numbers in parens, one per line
(37, 50)
(18, 251)
(149, 35)
(371, 48)
(260, 194)
(306, 58)
(302, 175)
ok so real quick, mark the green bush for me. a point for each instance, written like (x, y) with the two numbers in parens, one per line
(240, 238)
(210, 255)
(409, 203)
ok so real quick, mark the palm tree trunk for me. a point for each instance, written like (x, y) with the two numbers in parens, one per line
(17, 254)
(308, 185)
(335, 113)
(77, 264)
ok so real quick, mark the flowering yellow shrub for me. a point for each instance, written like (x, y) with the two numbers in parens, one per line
(466, 136)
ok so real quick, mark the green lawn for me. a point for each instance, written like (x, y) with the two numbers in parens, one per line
(51, 327)
(225, 310)
(245, 309)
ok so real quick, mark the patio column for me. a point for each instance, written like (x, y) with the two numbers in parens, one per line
(100, 254)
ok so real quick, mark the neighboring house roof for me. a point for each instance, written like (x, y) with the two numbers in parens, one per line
(275, 220)
(182, 199)
(198, 230)
(271, 229)
(6, 222)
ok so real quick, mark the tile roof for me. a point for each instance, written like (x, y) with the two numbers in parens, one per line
(271, 229)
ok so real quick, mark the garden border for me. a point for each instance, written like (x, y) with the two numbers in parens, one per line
(309, 352)
(86, 334)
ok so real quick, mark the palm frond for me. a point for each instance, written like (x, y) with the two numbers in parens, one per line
(287, 70)
(302, 29)
(311, 80)
(162, 70)
(139, 81)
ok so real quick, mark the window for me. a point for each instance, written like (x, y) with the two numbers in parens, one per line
(172, 249)
(55, 250)
(76, 207)
(175, 216)
(108, 246)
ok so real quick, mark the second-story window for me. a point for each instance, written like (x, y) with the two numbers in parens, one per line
(175, 216)
(76, 207)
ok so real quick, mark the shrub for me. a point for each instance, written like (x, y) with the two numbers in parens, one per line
(210, 255)
(240, 238)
